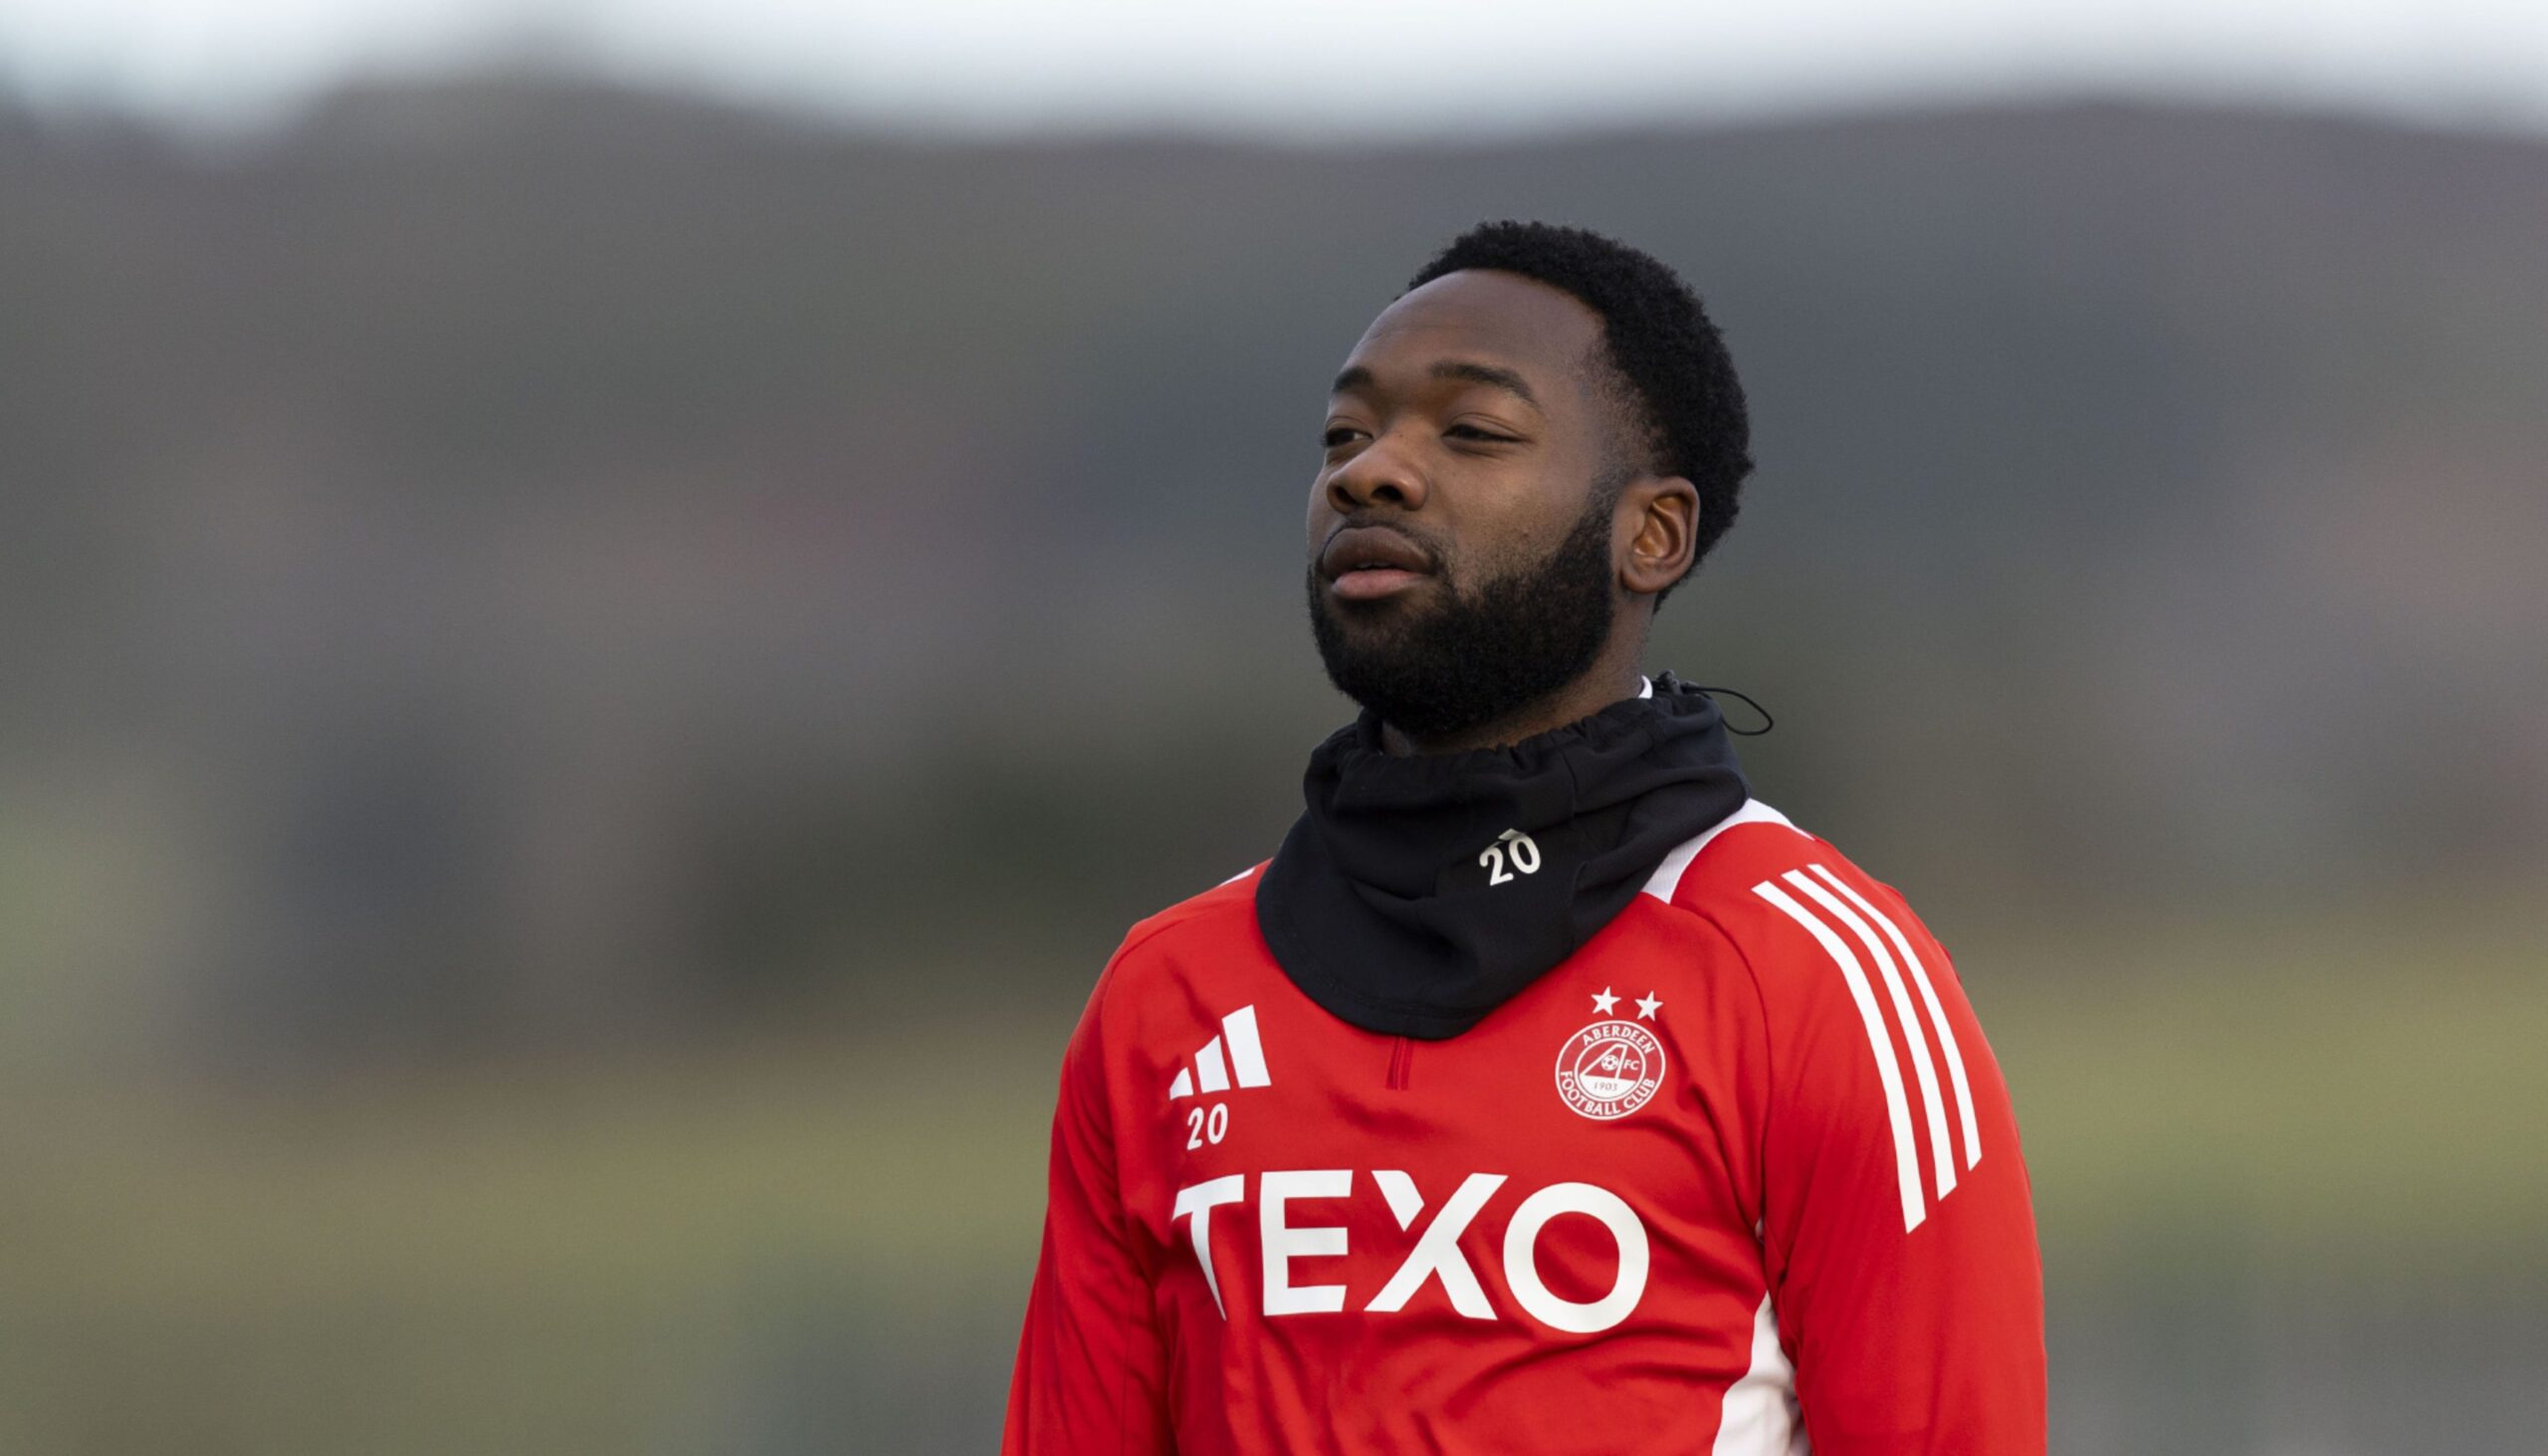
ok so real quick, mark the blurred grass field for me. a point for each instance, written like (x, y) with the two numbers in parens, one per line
(817, 1241)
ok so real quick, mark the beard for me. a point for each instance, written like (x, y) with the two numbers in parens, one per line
(1485, 650)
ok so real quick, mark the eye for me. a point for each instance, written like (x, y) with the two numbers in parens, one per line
(1339, 434)
(1472, 432)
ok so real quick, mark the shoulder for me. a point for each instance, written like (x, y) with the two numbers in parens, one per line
(1228, 907)
(1885, 1082)
(1751, 835)
(1198, 931)
(1806, 919)
(1751, 867)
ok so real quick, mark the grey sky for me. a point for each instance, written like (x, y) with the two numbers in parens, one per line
(1310, 68)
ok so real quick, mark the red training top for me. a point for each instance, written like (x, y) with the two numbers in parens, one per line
(1738, 1173)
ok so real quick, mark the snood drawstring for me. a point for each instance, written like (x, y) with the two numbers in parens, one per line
(1767, 723)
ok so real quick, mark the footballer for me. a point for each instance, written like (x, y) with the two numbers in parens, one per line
(1545, 1092)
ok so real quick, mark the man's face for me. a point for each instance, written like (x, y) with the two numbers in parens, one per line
(1460, 527)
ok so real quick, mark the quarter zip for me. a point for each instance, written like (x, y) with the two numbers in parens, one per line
(1401, 1055)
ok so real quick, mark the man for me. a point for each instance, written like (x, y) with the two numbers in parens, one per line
(1544, 1092)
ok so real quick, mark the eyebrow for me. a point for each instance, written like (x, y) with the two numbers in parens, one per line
(1356, 377)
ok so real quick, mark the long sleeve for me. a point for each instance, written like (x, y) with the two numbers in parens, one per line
(1897, 1232)
(1091, 1373)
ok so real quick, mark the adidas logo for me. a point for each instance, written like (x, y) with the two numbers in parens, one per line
(1210, 1073)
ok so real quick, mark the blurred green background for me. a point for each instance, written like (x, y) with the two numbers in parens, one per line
(592, 674)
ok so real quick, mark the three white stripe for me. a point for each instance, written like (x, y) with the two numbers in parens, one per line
(1855, 915)
(1246, 1059)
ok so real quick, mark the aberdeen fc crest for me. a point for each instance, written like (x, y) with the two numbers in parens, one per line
(1609, 1069)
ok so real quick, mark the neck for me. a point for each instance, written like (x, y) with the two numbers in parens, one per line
(1612, 678)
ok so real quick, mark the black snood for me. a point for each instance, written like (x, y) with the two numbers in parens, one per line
(1418, 893)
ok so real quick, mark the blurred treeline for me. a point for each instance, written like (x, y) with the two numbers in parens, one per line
(490, 562)
(496, 570)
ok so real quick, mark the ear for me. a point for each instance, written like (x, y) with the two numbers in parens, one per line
(1660, 515)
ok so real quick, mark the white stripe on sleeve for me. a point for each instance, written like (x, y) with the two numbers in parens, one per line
(1937, 1016)
(1906, 1158)
(1932, 1103)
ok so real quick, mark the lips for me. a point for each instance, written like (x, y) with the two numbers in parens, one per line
(1361, 549)
(1369, 562)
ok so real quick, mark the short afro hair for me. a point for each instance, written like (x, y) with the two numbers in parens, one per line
(1680, 388)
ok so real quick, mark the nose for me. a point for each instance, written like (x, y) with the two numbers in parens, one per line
(1377, 473)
